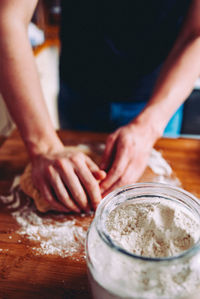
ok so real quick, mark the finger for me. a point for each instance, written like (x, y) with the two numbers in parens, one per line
(108, 152)
(129, 177)
(117, 169)
(73, 183)
(119, 183)
(112, 188)
(90, 183)
(49, 197)
(99, 175)
(96, 171)
(60, 190)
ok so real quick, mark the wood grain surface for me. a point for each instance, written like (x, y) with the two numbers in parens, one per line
(24, 274)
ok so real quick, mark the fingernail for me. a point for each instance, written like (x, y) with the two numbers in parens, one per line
(103, 173)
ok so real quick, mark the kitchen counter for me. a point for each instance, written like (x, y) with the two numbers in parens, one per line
(24, 274)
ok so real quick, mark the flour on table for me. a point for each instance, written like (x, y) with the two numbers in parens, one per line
(62, 234)
(61, 237)
(51, 233)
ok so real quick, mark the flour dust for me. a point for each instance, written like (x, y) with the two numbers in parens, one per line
(61, 234)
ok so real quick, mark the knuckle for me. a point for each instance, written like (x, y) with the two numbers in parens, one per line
(92, 184)
(77, 158)
(78, 195)
(58, 162)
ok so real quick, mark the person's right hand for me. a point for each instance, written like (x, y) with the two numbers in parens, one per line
(68, 180)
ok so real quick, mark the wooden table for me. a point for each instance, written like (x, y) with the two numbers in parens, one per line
(25, 275)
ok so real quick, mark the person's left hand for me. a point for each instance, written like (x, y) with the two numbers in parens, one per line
(126, 155)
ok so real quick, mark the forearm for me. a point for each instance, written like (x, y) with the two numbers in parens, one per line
(178, 75)
(175, 83)
(20, 86)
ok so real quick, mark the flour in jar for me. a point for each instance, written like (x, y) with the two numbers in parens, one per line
(153, 229)
(159, 233)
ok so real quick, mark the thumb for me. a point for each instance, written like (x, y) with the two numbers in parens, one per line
(108, 152)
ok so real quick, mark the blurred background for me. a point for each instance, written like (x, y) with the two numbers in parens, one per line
(43, 34)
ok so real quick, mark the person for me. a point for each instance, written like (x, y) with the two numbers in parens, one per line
(116, 56)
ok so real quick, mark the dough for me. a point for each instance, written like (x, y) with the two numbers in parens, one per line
(94, 152)
(28, 187)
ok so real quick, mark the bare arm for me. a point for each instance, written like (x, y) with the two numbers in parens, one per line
(180, 71)
(20, 84)
(132, 143)
(54, 172)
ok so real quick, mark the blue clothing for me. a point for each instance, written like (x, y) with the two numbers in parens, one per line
(76, 112)
(122, 114)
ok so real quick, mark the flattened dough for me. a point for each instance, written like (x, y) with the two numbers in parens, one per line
(28, 187)
(94, 153)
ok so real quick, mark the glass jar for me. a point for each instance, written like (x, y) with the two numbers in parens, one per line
(116, 273)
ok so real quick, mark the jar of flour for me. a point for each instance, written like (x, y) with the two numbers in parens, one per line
(144, 243)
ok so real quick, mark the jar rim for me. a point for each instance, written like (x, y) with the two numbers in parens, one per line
(192, 203)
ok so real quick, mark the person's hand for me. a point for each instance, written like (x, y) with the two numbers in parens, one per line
(126, 155)
(68, 180)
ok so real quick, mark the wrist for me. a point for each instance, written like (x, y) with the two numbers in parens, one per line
(152, 123)
(43, 145)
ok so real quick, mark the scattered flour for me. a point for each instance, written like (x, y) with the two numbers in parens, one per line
(158, 164)
(65, 235)
(56, 234)
(153, 229)
(62, 237)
